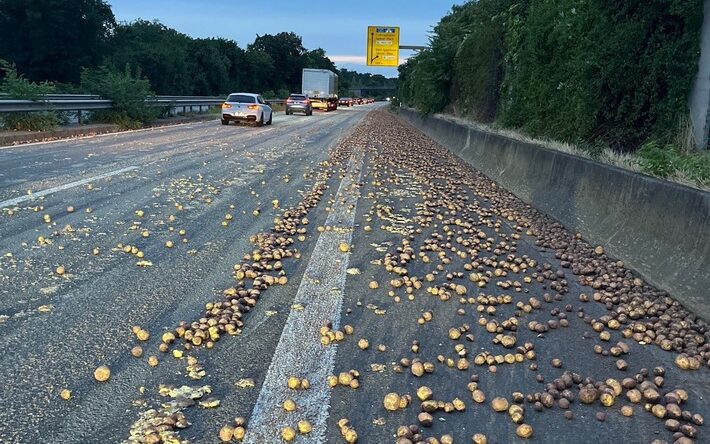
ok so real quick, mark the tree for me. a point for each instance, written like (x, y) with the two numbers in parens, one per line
(318, 60)
(210, 67)
(17, 86)
(287, 54)
(259, 70)
(236, 73)
(127, 91)
(54, 39)
(406, 80)
(478, 64)
(160, 52)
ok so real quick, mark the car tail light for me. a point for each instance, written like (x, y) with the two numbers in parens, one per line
(226, 105)
(253, 106)
(289, 101)
(307, 102)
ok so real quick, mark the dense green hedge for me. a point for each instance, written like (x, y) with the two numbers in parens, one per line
(594, 71)
(478, 68)
(16, 86)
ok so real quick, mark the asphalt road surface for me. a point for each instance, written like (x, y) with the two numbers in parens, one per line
(260, 257)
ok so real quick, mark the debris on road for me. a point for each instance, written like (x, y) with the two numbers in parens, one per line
(480, 305)
(102, 373)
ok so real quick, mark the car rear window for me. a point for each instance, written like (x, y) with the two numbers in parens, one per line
(297, 97)
(241, 98)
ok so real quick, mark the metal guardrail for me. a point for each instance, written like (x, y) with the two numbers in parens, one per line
(61, 96)
(88, 102)
(16, 106)
(96, 96)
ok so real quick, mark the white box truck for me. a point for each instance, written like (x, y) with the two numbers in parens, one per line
(321, 87)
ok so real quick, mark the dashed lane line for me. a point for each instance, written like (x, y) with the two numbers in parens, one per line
(299, 351)
(35, 195)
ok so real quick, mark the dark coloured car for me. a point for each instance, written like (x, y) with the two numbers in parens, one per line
(299, 103)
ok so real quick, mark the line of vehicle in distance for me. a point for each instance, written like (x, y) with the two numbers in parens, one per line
(319, 90)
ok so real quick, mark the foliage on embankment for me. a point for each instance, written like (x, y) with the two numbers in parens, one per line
(594, 73)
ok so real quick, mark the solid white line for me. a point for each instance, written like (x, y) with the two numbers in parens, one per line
(17, 200)
(299, 351)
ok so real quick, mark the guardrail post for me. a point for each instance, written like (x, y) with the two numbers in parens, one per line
(78, 116)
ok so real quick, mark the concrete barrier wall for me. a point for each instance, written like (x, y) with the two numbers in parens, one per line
(659, 229)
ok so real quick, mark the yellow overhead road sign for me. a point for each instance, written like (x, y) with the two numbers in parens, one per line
(383, 45)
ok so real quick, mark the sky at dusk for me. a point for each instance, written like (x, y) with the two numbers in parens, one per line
(337, 26)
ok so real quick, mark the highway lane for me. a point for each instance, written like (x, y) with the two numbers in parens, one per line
(399, 177)
(387, 192)
(206, 169)
(41, 165)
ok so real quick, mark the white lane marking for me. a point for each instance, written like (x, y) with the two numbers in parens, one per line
(299, 351)
(17, 200)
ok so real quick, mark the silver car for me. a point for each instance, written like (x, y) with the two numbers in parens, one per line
(246, 107)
